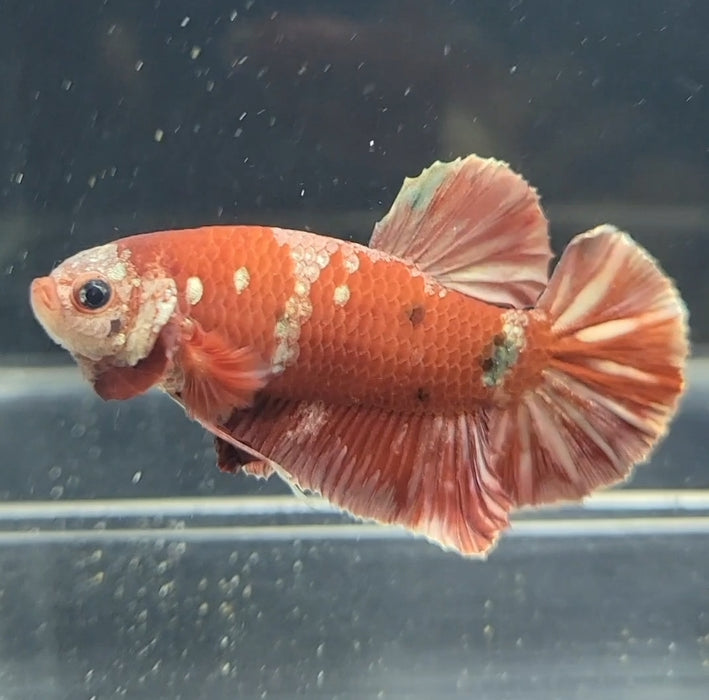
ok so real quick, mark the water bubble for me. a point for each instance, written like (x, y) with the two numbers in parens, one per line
(78, 430)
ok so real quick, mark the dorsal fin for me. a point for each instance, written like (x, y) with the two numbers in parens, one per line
(474, 225)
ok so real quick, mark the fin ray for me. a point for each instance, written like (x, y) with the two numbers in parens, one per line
(428, 473)
(217, 377)
(475, 226)
(615, 376)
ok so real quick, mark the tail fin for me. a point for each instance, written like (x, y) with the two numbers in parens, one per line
(614, 378)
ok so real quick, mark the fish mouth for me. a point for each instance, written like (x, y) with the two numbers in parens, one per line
(44, 299)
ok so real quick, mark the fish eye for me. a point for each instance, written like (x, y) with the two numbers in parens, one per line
(93, 294)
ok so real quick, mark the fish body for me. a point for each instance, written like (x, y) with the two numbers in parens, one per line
(436, 379)
(370, 328)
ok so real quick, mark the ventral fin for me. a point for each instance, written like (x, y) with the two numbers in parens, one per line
(233, 458)
(122, 383)
(217, 377)
(474, 225)
(426, 473)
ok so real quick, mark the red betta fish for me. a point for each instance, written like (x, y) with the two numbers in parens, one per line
(436, 379)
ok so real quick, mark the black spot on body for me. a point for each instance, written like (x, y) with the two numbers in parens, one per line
(487, 364)
(423, 394)
(116, 326)
(416, 315)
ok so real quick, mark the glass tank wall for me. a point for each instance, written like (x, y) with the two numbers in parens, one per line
(129, 565)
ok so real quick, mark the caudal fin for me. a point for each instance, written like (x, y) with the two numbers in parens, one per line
(614, 379)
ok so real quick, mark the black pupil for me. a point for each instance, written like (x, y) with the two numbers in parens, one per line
(95, 294)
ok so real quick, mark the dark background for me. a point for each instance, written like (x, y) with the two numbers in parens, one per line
(118, 117)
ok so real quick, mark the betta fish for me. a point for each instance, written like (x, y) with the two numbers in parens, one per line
(437, 379)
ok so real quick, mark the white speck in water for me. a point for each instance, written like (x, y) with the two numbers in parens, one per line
(446, 50)
(297, 566)
(97, 579)
(56, 492)
(137, 477)
(246, 593)
(66, 84)
(95, 556)
(203, 609)
(55, 472)
(166, 589)
(162, 566)
(319, 651)
(195, 52)
(226, 667)
(320, 679)
(158, 136)
(139, 65)
(513, 70)
(78, 430)
(185, 21)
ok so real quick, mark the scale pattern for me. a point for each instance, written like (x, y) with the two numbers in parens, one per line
(339, 322)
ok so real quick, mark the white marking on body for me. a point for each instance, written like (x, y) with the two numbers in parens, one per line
(157, 304)
(342, 295)
(514, 324)
(506, 351)
(350, 261)
(310, 257)
(241, 280)
(118, 272)
(194, 290)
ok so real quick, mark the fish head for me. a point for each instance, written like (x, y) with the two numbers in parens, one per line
(102, 309)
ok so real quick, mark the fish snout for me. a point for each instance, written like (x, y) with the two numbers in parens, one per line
(44, 297)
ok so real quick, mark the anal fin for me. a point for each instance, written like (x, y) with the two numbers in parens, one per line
(427, 473)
